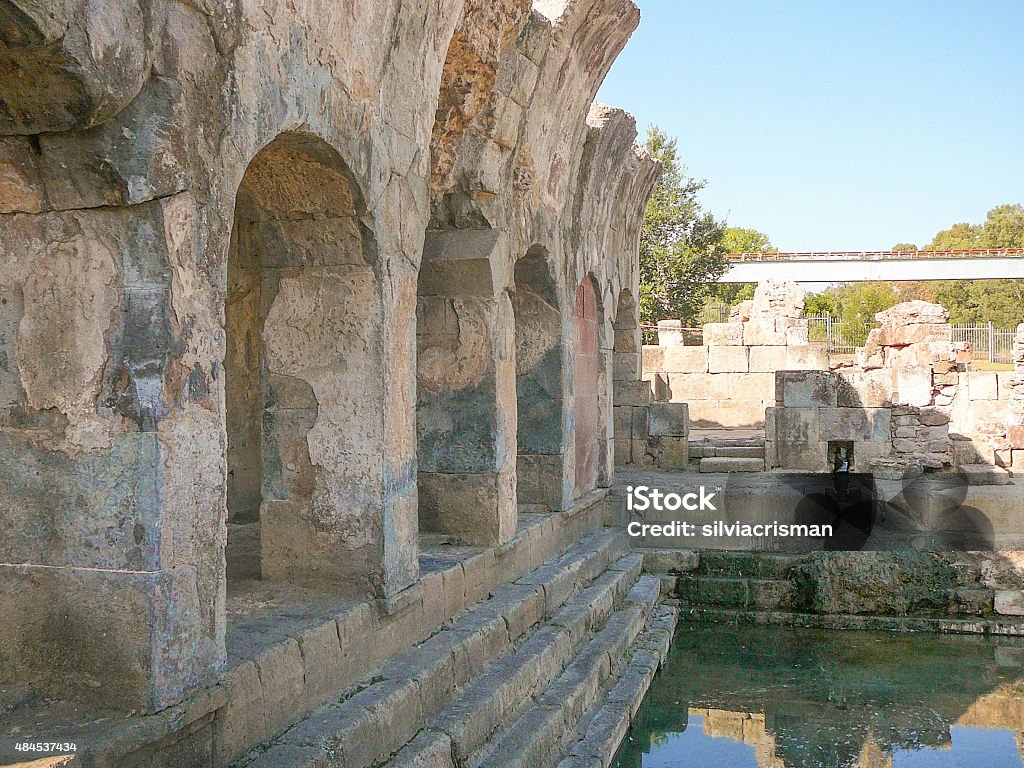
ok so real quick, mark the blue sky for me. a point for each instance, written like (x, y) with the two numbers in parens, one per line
(835, 125)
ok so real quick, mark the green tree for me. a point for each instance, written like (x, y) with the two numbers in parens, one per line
(1000, 302)
(854, 304)
(743, 240)
(904, 247)
(740, 240)
(681, 250)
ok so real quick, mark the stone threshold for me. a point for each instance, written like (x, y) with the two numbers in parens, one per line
(1001, 627)
(305, 669)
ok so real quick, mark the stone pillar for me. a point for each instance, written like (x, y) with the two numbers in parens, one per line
(1015, 426)
(466, 380)
(543, 398)
(111, 457)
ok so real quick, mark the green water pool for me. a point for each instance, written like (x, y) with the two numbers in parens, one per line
(770, 697)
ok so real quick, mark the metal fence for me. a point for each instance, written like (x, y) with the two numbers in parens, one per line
(987, 341)
(844, 338)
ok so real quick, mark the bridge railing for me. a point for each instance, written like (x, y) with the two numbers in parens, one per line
(953, 253)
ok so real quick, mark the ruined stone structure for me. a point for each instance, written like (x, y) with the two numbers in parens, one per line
(729, 379)
(328, 276)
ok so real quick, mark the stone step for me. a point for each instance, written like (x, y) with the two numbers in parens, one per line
(604, 727)
(741, 452)
(750, 565)
(502, 693)
(727, 464)
(747, 594)
(366, 727)
(984, 474)
(535, 739)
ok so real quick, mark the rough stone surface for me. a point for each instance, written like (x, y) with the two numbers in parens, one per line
(240, 244)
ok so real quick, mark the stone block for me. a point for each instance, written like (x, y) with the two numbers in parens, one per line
(762, 332)
(322, 663)
(915, 333)
(984, 474)
(632, 393)
(723, 334)
(683, 359)
(768, 359)
(740, 451)
(673, 452)
(727, 464)
(856, 424)
(671, 561)
(669, 419)
(652, 359)
(283, 683)
(982, 385)
(810, 358)
(670, 333)
(239, 724)
(1009, 602)
(798, 336)
(471, 506)
(797, 425)
(806, 389)
(1016, 465)
(622, 425)
(687, 387)
(867, 389)
(726, 413)
(808, 456)
(728, 359)
(641, 419)
(623, 451)
(866, 452)
(625, 366)
(914, 386)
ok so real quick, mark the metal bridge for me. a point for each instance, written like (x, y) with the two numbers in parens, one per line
(860, 266)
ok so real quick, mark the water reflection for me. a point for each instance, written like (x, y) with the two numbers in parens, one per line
(770, 697)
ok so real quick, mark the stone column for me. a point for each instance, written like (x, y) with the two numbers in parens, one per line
(466, 379)
(111, 457)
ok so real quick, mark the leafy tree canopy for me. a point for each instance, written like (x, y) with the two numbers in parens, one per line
(682, 253)
(743, 240)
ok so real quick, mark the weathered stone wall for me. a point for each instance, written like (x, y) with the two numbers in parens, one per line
(893, 407)
(729, 380)
(324, 151)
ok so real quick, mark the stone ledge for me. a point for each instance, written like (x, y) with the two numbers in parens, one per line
(235, 712)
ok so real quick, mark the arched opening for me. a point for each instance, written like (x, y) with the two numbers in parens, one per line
(587, 383)
(303, 411)
(539, 382)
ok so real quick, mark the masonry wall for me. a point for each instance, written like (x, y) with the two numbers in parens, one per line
(134, 166)
(729, 380)
(893, 407)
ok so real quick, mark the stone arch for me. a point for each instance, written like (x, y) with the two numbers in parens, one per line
(540, 438)
(304, 414)
(589, 437)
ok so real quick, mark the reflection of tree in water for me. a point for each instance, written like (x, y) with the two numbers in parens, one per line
(832, 699)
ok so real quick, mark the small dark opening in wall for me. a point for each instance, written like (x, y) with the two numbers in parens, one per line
(840, 455)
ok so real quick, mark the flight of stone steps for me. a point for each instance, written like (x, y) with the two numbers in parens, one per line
(548, 671)
(720, 452)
